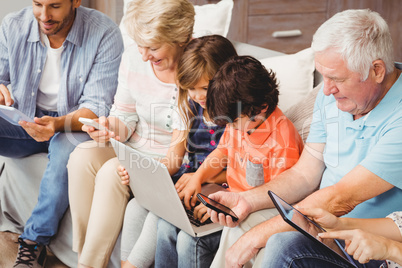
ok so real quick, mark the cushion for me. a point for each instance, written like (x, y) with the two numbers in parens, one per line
(301, 113)
(209, 19)
(213, 18)
(295, 74)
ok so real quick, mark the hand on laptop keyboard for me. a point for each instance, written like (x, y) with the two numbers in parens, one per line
(199, 211)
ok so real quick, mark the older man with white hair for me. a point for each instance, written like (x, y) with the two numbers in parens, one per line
(353, 153)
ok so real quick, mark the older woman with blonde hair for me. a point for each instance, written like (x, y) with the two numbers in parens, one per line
(141, 117)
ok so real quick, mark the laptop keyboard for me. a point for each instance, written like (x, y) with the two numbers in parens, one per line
(196, 222)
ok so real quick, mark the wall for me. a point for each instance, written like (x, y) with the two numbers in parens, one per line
(112, 8)
(8, 6)
(14, 5)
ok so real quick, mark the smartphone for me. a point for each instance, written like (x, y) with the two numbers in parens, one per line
(309, 228)
(92, 123)
(218, 207)
(13, 115)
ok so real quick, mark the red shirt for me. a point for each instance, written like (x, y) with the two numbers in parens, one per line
(271, 149)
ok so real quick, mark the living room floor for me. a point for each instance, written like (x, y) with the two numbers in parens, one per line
(9, 249)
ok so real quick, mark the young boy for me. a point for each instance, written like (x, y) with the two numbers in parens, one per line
(259, 143)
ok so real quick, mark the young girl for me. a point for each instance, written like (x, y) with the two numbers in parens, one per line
(193, 131)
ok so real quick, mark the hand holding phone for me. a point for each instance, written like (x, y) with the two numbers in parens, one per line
(218, 207)
(92, 123)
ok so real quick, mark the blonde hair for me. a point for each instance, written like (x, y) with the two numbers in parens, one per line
(201, 59)
(160, 21)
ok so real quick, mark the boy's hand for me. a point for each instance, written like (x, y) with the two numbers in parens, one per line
(200, 213)
(125, 178)
(189, 191)
(236, 202)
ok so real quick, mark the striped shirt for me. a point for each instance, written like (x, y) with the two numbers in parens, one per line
(89, 62)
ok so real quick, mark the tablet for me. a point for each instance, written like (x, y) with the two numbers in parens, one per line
(309, 228)
(13, 115)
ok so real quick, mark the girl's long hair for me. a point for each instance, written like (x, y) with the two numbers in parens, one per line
(201, 59)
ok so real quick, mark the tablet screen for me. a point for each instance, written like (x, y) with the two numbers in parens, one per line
(13, 115)
(308, 227)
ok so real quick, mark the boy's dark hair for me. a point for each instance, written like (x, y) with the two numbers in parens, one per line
(242, 86)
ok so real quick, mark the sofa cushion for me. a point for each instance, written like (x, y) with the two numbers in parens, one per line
(295, 74)
(19, 188)
(254, 51)
(301, 113)
(213, 18)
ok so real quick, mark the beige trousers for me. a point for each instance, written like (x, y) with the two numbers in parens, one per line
(231, 235)
(97, 202)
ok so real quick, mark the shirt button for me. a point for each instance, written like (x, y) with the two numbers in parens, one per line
(171, 107)
(168, 116)
(167, 125)
(213, 143)
(174, 97)
(81, 79)
(39, 70)
(33, 93)
(175, 89)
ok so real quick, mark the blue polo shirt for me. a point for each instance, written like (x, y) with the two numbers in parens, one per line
(373, 141)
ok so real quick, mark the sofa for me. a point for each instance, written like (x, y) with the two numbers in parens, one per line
(20, 178)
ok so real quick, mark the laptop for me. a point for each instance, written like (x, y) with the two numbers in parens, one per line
(310, 229)
(153, 189)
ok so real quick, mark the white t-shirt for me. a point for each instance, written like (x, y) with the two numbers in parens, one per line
(50, 81)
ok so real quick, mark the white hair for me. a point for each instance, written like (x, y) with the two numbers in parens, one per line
(361, 36)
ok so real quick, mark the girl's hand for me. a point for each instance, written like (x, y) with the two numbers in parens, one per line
(125, 178)
(101, 136)
(200, 213)
(190, 187)
(182, 182)
(361, 245)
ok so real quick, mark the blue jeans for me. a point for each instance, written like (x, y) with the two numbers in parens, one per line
(293, 249)
(53, 192)
(175, 248)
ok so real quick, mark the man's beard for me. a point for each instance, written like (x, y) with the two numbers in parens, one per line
(64, 23)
